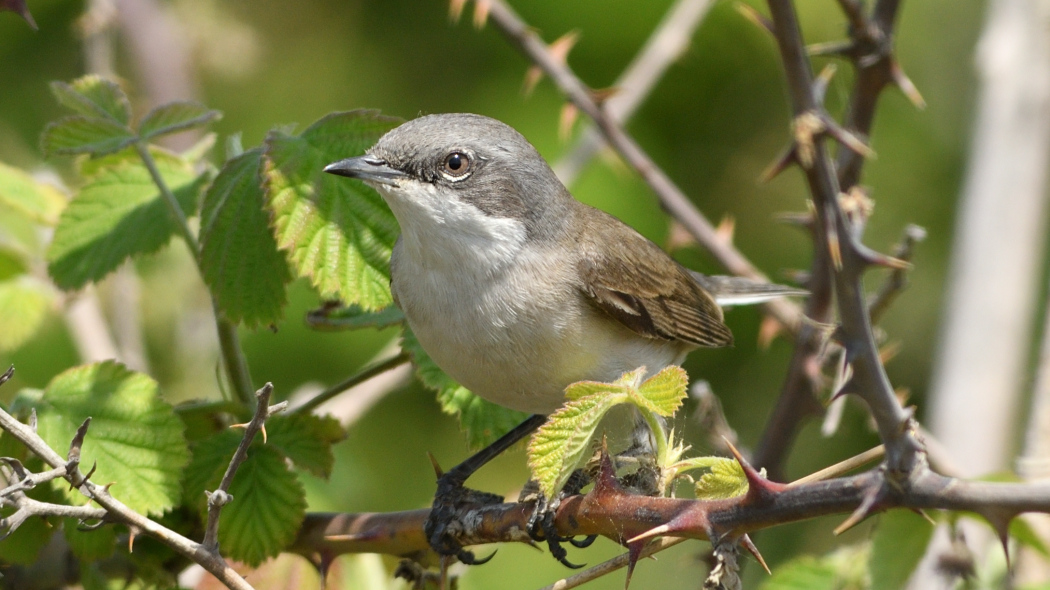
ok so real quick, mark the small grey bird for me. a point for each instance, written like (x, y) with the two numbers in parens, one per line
(515, 288)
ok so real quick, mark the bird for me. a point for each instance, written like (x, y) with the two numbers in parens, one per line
(516, 289)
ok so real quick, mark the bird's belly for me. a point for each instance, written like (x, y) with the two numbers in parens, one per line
(520, 347)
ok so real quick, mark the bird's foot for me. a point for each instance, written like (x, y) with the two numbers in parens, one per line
(444, 528)
(541, 522)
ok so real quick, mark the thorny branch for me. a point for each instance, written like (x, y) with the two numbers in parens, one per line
(112, 509)
(870, 49)
(525, 38)
(221, 497)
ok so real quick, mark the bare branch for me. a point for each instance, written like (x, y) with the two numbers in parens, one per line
(116, 509)
(352, 381)
(220, 497)
(666, 44)
(671, 197)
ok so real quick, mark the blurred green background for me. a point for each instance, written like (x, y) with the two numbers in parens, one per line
(716, 120)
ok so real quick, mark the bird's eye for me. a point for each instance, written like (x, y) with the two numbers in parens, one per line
(456, 165)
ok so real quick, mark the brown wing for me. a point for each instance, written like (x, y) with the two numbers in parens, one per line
(633, 280)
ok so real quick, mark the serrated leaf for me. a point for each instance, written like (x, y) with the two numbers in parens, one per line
(559, 445)
(78, 134)
(336, 231)
(94, 96)
(353, 317)
(119, 213)
(38, 201)
(268, 506)
(306, 440)
(89, 545)
(24, 303)
(174, 117)
(481, 420)
(665, 390)
(582, 389)
(239, 257)
(899, 543)
(724, 480)
(135, 439)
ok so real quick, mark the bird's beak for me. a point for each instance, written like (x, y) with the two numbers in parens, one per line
(366, 168)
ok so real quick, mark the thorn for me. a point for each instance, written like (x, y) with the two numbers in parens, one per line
(750, 546)
(455, 10)
(886, 353)
(649, 534)
(785, 159)
(132, 531)
(726, 228)
(926, 516)
(241, 425)
(634, 553)
(678, 237)
(755, 17)
(559, 52)
(438, 471)
(481, 13)
(861, 512)
(78, 441)
(804, 220)
(875, 258)
(569, 114)
(759, 488)
(905, 84)
(849, 139)
(820, 84)
(839, 48)
(834, 249)
(7, 374)
(263, 429)
(601, 95)
(768, 330)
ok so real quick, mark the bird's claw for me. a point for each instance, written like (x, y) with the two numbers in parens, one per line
(541, 522)
(444, 526)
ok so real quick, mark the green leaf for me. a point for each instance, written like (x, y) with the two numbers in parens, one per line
(24, 303)
(85, 135)
(559, 445)
(174, 117)
(483, 421)
(1025, 535)
(135, 439)
(353, 317)
(268, 506)
(665, 391)
(119, 213)
(38, 201)
(239, 256)
(12, 262)
(94, 96)
(337, 232)
(306, 440)
(89, 545)
(900, 542)
(724, 480)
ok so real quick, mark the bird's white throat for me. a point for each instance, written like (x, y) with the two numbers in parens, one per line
(443, 233)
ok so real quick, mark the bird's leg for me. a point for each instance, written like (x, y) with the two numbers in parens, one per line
(541, 522)
(452, 500)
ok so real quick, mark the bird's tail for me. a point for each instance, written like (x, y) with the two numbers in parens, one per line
(729, 291)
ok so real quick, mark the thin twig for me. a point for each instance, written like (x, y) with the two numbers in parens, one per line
(611, 565)
(671, 197)
(229, 343)
(667, 43)
(356, 379)
(220, 497)
(116, 509)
